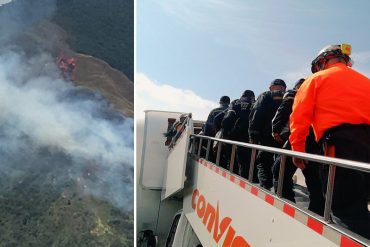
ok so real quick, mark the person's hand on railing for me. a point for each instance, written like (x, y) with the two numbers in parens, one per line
(300, 163)
(277, 138)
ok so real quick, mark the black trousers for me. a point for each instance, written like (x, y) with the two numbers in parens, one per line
(203, 152)
(244, 158)
(312, 178)
(225, 154)
(351, 187)
(225, 157)
(265, 161)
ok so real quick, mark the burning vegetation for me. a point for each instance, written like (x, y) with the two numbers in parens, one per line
(66, 66)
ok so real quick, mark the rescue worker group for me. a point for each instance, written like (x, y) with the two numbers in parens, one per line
(327, 113)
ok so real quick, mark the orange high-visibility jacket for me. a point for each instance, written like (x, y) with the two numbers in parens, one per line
(329, 98)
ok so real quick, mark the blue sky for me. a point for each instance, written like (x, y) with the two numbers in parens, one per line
(209, 48)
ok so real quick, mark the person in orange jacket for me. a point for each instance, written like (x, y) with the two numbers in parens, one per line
(334, 101)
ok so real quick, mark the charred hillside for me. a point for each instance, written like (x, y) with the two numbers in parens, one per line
(110, 26)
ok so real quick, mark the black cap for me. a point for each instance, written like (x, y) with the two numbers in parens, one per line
(278, 82)
(225, 100)
(248, 93)
(300, 81)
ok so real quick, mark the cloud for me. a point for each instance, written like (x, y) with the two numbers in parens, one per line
(361, 57)
(2, 2)
(292, 76)
(153, 96)
(244, 22)
(362, 62)
(215, 17)
(240, 20)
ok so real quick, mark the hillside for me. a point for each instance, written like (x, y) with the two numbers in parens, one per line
(102, 29)
(66, 162)
(97, 75)
(104, 32)
(46, 208)
(92, 73)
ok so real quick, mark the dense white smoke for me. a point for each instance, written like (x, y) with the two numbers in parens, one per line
(17, 15)
(46, 121)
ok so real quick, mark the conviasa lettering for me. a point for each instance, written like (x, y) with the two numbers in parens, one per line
(210, 219)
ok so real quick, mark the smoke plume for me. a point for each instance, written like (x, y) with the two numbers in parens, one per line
(17, 15)
(53, 134)
(44, 119)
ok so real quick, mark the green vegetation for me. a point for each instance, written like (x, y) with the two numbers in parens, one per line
(103, 29)
(44, 208)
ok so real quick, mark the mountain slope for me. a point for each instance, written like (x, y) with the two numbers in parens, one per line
(58, 190)
(102, 29)
(90, 72)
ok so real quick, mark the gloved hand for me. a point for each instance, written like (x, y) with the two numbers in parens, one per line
(300, 163)
(253, 141)
(277, 138)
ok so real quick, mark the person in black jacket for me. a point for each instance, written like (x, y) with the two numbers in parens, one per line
(210, 129)
(235, 127)
(281, 132)
(261, 116)
(226, 149)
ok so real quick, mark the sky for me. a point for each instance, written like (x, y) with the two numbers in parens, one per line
(4, 2)
(190, 53)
